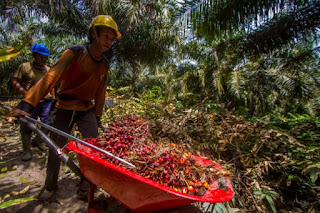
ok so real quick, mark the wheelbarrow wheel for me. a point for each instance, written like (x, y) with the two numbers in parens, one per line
(103, 203)
(182, 209)
(114, 206)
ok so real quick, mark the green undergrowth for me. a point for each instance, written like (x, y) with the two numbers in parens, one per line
(274, 162)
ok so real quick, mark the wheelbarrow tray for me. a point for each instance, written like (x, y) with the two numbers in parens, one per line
(138, 193)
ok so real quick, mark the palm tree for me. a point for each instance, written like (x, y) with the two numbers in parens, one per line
(236, 42)
(64, 17)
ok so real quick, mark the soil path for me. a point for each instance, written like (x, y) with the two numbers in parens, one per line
(16, 175)
(19, 179)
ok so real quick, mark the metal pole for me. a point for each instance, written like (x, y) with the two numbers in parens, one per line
(53, 146)
(72, 137)
(10, 97)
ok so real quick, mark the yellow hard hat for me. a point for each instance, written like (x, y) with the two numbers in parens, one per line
(106, 20)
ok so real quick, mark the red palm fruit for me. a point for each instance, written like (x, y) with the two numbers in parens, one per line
(182, 160)
(187, 171)
(206, 184)
(175, 155)
(198, 184)
(191, 189)
(184, 190)
(167, 176)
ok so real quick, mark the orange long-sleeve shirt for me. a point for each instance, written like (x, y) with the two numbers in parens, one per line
(79, 77)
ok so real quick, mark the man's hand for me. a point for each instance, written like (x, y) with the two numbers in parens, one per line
(15, 83)
(16, 113)
(100, 124)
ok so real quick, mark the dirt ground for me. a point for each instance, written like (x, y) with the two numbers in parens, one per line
(16, 175)
(20, 179)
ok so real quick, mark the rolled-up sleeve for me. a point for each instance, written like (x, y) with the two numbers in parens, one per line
(46, 84)
(19, 72)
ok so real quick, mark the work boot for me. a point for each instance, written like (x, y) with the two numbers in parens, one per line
(26, 156)
(83, 190)
(46, 195)
(26, 145)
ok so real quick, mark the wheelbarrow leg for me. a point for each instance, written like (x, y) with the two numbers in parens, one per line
(92, 190)
(91, 208)
(126, 210)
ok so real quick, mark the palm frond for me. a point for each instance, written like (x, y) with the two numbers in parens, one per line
(235, 84)
(293, 27)
(70, 14)
(214, 19)
(295, 63)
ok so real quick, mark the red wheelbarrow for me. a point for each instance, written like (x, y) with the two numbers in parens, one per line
(136, 192)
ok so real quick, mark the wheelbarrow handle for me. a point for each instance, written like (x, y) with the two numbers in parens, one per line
(52, 146)
(10, 97)
(72, 137)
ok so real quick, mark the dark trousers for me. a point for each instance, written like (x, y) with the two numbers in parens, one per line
(65, 120)
(41, 111)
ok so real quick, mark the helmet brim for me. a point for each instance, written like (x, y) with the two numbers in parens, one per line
(41, 53)
(116, 32)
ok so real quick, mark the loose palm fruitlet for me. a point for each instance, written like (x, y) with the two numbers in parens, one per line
(165, 163)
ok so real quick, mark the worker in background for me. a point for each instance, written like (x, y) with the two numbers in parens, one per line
(81, 73)
(23, 79)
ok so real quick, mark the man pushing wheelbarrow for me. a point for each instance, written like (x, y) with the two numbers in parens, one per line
(81, 73)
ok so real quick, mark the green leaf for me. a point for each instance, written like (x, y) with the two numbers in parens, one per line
(257, 192)
(313, 170)
(314, 176)
(219, 208)
(24, 190)
(273, 193)
(205, 205)
(3, 162)
(15, 202)
(262, 196)
(4, 169)
(271, 203)
(10, 52)
(23, 179)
